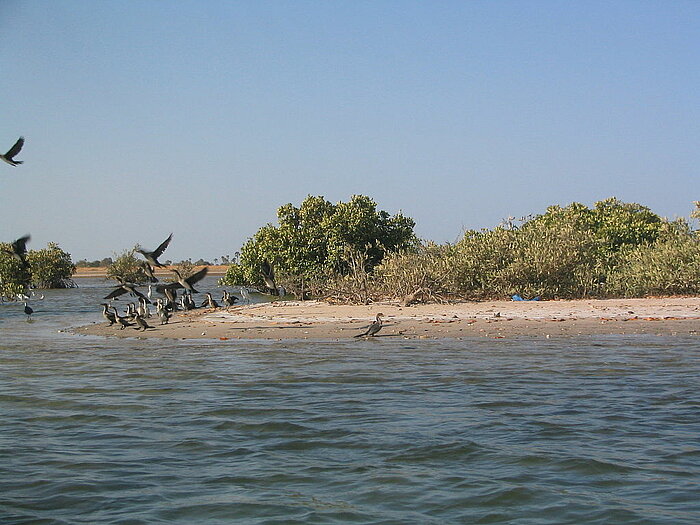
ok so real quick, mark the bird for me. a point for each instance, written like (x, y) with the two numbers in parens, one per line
(228, 299)
(187, 283)
(245, 294)
(149, 272)
(125, 287)
(143, 309)
(210, 302)
(374, 327)
(162, 311)
(107, 314)
(141, 322)
(28, 310)
(121, 320)
(187, 302)
(18, 250)
(152, 257)
(170, 297)
(268, 275)
(14, 150)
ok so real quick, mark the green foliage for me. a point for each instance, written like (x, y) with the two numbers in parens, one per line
(614, 223)
(14, 278)
(671, 266)
(351, 252)
(127, 267)
(51, 267)
(311, 241)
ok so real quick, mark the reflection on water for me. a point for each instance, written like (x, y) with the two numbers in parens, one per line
(587, 430)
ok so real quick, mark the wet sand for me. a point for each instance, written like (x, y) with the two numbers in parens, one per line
(493, 319)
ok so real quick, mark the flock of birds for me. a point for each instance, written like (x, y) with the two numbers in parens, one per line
(165, 306)
(138, 315)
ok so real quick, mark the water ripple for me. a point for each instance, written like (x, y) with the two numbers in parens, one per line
(587, 430)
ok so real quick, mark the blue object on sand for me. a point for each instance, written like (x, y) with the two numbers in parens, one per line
(516, 297)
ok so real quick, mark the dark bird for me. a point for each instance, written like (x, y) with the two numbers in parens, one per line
(141, 322)
(28, 310)
(268, 274)
(187, 302)
(152, 257)
(109, 316)
(18, 250)
(121, 320)
(149, 271)
(228, 299)
(125, 287)
(373, 328)
(187, 284)
(14, 150)
(210, 302)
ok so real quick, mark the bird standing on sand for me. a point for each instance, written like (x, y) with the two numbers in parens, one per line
(373, 328)
(28, 310)
(228, 299)
(107, 314)
(121, 320)
(14, 150)
(152, 257)
(210, 302)
(141, 322)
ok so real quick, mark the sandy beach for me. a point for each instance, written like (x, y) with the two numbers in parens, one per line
(492, 319)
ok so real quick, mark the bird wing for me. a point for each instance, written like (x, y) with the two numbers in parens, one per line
(159, 251)
(116, 293)
(198, 276)
(20, 245)
(14, 150)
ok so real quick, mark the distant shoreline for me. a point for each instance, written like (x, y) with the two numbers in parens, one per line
(490, 319)
(101, 271)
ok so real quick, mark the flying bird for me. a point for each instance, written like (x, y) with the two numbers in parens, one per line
(14, 150)
(187, 284)
(125, 287)
(373, 328)
(18, 250)
(152, 257)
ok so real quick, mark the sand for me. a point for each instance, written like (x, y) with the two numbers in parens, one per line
(101, 271)
(492, 319)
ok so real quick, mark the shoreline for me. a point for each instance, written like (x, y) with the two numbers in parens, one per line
(315, 320)
(97, 272)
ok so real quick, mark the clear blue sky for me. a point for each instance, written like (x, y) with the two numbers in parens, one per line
(202, 118)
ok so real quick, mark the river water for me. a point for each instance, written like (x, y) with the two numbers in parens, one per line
(527, 431)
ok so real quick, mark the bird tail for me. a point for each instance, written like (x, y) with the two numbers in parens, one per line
(360, 335)
(18, 161)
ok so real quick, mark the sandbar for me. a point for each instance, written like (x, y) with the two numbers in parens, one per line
(318, 320)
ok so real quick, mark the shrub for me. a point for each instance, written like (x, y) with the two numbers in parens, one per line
(670, 266)
(51, 267)
(127, 267)
(310, 242)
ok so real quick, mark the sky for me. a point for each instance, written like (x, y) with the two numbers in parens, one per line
(143, 118)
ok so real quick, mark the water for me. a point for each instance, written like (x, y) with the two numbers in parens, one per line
(530, 431)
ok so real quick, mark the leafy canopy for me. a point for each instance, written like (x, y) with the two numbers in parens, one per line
(312, 240)
(50, 267)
